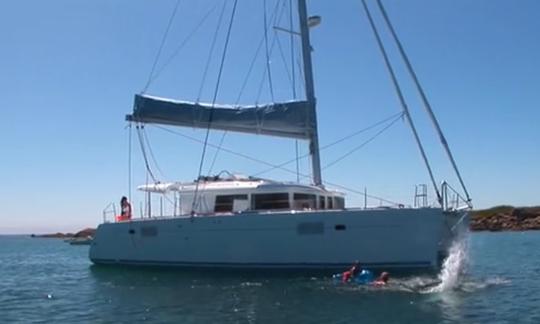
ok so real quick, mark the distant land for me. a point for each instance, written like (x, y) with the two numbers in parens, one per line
(506, 218)
(87, 232)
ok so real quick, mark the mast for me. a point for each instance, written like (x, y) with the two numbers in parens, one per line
(310, 92)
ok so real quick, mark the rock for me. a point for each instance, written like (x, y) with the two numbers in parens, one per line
(84, 233)
(55, 235)
(505, 218)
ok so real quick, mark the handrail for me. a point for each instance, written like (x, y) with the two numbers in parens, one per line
(457, 203)
(109, 209)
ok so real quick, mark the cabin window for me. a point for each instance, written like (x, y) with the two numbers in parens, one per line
(329, 203)
(304, 201)
(321, 202)
(226, 203)
(339, 202)
(270, 201)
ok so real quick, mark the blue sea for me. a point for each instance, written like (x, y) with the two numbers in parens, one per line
(490, 278)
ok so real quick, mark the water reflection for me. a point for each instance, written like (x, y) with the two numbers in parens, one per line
(188, 295)
(494, 289)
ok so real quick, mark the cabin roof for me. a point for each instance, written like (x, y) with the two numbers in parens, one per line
(234, 184)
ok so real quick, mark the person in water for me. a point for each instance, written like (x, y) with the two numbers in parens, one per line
(363, 276)
(351, 273)
(382, 279)
(126, 209)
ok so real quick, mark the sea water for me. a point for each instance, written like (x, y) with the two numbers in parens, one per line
(487, 278)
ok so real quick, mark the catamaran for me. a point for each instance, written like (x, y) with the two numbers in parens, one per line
(231, 220)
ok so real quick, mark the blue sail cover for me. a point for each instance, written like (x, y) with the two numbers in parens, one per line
(292, 119)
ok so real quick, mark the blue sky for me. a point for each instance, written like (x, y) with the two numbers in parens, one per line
(69, 70)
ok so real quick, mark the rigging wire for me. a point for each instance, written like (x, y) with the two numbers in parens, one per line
(224, 149)
(152, 153)
(247, 157)
(214, 39)
(363, 193)
(154, 75)
(142, 131)
(216, 90)
(293, 80)
(297, 161)
(143, 151)
(273, 43)
(141, 140)
(129, 160)
(169, 24)
(222, 139)
(255, 56)
(212, 46)
(147, 203)
(398, 115)
(291, 40)
(363, 144)
(183, 44)
(270, 86)
(250, 69)
(382, 121)
(404, 106)
(282, 55)
(246, 78)
(423, 96)
(392, 118)
(300, 71)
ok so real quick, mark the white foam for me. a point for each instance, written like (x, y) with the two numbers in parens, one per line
(453, 267)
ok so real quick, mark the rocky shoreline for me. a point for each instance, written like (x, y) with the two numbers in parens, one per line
(506, 218)
(87, 232)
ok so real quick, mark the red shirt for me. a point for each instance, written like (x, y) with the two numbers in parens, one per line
(346, 276)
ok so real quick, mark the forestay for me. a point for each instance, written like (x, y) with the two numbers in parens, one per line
(293, 119)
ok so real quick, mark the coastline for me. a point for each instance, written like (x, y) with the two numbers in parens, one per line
(505, 218)
(87, 232)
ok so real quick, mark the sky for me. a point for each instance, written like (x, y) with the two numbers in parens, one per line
(69, 71)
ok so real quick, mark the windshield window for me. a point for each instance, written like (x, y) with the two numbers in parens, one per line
(270, 201)
(304, 201)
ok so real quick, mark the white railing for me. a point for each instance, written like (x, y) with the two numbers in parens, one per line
(452, 200)
(109, 209)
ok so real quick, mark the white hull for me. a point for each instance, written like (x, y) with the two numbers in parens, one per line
(378, 238)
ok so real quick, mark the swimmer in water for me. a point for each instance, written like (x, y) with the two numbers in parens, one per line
(351, 273)
(382, 279)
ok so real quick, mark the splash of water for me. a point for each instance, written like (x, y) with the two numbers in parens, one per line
(453, 267)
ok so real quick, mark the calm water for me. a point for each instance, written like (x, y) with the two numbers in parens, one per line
(47, 280)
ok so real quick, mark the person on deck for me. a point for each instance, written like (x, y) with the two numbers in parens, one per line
(126, 209)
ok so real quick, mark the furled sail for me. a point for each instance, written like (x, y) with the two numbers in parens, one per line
(292, 119)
